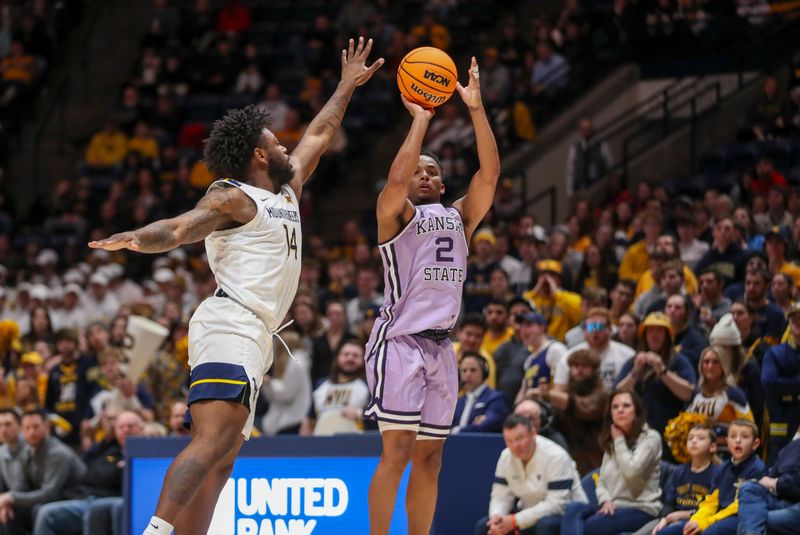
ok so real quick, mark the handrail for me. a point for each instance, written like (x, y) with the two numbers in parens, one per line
(732, 56)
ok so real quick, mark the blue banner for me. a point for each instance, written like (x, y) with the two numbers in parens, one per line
(277, 496)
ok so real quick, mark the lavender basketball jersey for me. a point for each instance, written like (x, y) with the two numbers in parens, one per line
(424, 270)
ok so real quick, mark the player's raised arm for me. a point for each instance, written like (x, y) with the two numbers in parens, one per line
(320, 131)
(218, 209)
(480, 194)
(394, 209)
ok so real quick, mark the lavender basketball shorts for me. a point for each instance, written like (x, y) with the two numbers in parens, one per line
(414, 384)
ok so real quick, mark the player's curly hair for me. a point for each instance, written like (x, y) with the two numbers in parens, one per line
(229, 147)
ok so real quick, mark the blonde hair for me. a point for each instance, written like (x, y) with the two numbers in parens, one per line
(293, 340)
(725, 361)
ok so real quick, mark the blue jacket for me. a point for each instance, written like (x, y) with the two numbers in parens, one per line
(491, 404)
(780, 376)
(787, 470)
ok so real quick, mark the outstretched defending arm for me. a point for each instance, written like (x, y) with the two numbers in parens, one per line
(218, 209)
(320, 131)
(480, 194)
(394, 209)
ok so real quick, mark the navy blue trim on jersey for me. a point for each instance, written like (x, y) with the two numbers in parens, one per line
(561, 484)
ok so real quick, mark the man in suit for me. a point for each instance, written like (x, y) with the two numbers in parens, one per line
(480, 409)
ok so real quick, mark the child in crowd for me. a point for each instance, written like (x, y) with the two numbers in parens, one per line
(689, 483)
(717, 513)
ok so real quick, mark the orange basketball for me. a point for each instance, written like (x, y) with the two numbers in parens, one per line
(427, 76)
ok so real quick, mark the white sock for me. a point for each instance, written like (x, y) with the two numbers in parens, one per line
(157, 526)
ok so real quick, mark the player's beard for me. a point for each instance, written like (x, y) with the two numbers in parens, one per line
(280, 169)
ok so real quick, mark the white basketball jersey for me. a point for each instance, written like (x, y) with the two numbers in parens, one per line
(258, 264)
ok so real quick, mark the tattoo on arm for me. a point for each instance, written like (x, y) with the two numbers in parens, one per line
(329, 118)
(185, 480)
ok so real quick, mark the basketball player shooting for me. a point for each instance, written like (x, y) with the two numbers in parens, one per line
(251, 225)
(411, 365)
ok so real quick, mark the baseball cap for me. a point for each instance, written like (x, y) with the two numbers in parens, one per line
(657, 319)
(532, 317)
(31, 357)
(553, 266)
(484, 234)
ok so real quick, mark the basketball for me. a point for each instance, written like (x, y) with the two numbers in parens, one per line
(427, 76)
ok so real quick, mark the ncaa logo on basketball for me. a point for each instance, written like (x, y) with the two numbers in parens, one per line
(437, 78)
(277, 506)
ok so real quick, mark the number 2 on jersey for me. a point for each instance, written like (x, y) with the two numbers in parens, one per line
(445, 246)
(291, 244)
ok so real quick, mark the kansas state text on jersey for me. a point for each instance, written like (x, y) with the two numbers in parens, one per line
(424, 270)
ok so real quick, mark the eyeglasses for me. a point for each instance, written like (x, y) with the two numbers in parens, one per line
(595, 326)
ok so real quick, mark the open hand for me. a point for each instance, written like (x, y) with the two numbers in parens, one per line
(471, 95)
(354, 67)
(607, 508)
(122, 240)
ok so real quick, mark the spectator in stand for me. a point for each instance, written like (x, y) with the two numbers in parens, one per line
(511, 355)
(469, 337)
(276, 106)
(496, 81)
(717, 395)
(287, 389)
(637, 257)
(725, 256)
(621, 299)
(717, 512)
(627, 488)
(235, 17)
(688, 483)
(545, 355)
(550, 72)
(776, 214)
(590, 298)
(326, 345)
(767, 113)
(450, 127)
(431, 31)
(480, 409)
(580, 409)
(588, 160)
(529, 244)
(368, 295)
(561, 308)
(534, 475)
(17, 75)
(670, 282)
(772, 504)
(107, 148)
(766, 177)
(777, 245)
(770, 321)
(782, 287)
(613, 355)
(780, 376)
(49, 467)
(176, 415)
(97, 498)
(689, 341)
(712, 305)
(143, 142)
(628, 330)
(498, 330)
(479, 269)
(13, 452)
(692, 249)
(663, 378)
(66, 390)
(343, 395)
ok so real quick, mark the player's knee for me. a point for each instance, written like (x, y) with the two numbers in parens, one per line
(428, 460)
(397, 453)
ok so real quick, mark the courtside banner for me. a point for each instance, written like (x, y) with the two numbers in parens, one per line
(313, 485)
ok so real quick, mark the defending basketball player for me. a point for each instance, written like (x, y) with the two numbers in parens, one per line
(411, 366)
(251, 225)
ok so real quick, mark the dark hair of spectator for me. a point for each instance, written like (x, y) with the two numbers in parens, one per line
(41, 413)
(12, 412)
(513, 420)
(639, 420)
(474, 319)
(229, 148)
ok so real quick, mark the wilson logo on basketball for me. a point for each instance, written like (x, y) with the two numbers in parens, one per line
(429, 97)
(437, 78)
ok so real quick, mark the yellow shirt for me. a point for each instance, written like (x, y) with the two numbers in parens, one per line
(491, 343)
(200, 176)
(147, 147)
(646, 282)
(635, 262)
(491, 381)
(563, 311)
(107, 149)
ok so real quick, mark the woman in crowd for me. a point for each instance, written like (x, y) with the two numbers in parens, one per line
(628, 491)
(287, 388)
(628, 330)
(664, 379)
